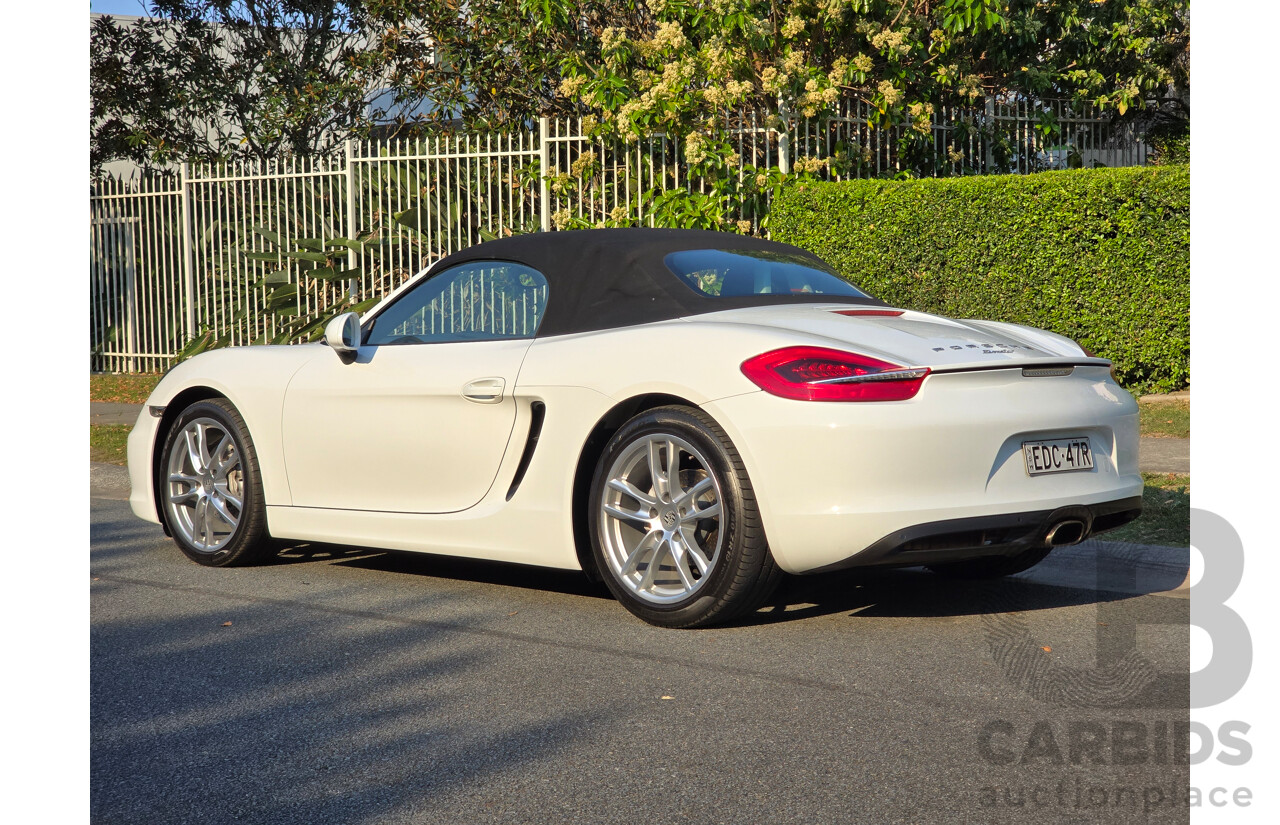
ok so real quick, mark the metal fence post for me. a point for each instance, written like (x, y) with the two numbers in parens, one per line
(351, 218)
(784, 139)
(188, 254)
(544, 169)
(989, 135)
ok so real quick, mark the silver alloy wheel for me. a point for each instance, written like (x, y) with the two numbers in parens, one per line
(660, 518)
(205, 485)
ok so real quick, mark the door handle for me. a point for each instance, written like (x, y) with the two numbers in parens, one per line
(484, 390)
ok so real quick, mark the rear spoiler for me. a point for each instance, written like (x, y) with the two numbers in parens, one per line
(1050, 365)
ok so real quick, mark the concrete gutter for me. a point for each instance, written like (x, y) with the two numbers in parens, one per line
(1164, 455)
(113, 415)
(108, 481)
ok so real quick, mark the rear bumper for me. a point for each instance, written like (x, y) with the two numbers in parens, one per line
(846, 484)
(976, 537)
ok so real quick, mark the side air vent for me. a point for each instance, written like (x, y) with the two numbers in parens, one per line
(537, 411)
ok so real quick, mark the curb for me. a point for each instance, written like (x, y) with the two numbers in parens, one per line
(1182, 396)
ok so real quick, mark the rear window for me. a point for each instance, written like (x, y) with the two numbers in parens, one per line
(722, 273)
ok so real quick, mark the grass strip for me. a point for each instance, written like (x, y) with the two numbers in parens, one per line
(107, 444)
(123, 388)
(1166, 513)
(1170, 419)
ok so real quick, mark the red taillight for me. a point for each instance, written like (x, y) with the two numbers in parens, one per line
(820, 374)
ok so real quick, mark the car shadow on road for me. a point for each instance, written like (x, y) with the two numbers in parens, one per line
(1092, 574)
(430, 565)
(916, 593)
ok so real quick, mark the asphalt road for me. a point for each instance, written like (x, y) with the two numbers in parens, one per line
(348, 686)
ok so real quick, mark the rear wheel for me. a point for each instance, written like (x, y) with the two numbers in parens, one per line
(993, 567)
(674, 525)
(210, 488)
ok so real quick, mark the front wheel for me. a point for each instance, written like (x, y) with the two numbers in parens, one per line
(210, 488)
(674, 525)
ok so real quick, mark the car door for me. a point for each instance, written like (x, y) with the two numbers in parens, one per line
(419, 420)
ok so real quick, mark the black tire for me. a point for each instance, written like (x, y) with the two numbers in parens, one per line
(742, 573)
(226, 544)
(992, 568)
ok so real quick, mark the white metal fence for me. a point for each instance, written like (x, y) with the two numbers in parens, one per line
(176, 253)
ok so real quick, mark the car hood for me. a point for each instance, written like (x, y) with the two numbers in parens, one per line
(908, 338)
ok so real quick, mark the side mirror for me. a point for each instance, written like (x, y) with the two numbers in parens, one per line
(342, 334)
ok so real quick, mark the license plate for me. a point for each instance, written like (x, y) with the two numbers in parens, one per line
(1063, 455)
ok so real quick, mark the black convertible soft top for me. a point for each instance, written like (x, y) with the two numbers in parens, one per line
(605, 278)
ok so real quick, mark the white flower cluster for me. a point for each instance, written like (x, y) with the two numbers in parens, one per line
(695, 151)
(772, 80)
(570, 86)
(890, 41)
(731, 92)
(612, 39)
(889, 92)
(794, 61)
(815, 98)
(839, 68)
(921, 117)
(669, 36)
(584, 165)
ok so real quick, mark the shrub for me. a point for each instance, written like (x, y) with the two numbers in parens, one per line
(1100, 255)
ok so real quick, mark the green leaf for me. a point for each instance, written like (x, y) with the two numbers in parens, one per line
(314, 324)
(269, 257)
(413, 218)
(288, 290)
(316, 257)
(314, 244)
(355, 246)
(268, 234)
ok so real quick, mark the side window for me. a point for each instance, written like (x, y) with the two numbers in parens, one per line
(476, 301)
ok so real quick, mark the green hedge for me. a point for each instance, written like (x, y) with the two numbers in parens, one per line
(1102, 256)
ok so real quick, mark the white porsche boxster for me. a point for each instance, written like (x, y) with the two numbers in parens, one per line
(683, 414)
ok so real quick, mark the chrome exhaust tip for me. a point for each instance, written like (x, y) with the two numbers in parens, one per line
(1065, 533)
